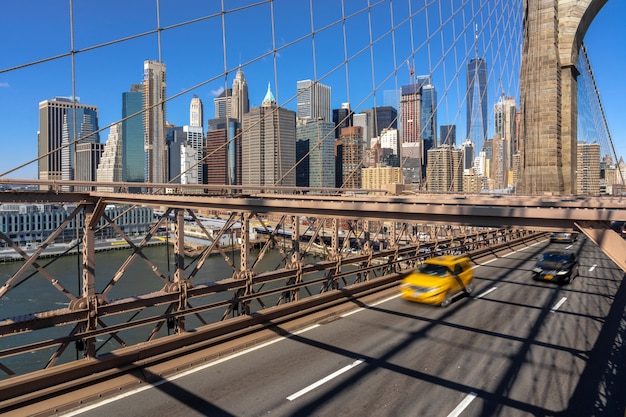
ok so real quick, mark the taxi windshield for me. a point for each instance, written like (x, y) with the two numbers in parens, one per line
(434, 270)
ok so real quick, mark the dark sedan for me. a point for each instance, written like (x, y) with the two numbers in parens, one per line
(556, 266)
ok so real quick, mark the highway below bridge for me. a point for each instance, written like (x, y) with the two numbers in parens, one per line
(516, 347)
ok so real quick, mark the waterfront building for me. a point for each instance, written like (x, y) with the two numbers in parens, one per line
(154, 84)
(33, 223)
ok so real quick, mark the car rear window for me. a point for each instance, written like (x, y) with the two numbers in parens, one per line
(555, 257)
(435, 270)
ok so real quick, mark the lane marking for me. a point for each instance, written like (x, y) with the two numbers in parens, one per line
(557, 305)
(592, 268)
(485, 293)
(384, 300)
(325, 380)
(185, 373)
(463, 405)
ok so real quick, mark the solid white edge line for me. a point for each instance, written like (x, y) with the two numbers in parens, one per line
(557, 305)
(384, 300)
(463, 405)
(324, 380)
(185, 373)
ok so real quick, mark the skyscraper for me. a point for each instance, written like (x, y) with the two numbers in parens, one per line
(413, 155)
(351, 139)
(477, 102)
(56, 127)
(154, 122)
(78, 127)
(88, 156)
(196, 113)
(444, 173)
(223, 152)
(269, 145)
(320, 151)
(110, 166)
(588, 169)
(505, 125)
(223, 104)
(313, 101)
(132, 135)
(342, 118)
(176, 139)
(447, 135)
(429, 115)
(240, 103)
(193, 171)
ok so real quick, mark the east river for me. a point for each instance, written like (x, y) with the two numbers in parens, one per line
(33, 292)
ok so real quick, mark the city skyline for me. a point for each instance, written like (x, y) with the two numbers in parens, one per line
(18, 100)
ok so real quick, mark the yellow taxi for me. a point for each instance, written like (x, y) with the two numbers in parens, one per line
(438, 280)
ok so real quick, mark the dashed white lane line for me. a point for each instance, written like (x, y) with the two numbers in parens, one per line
(557, 305)
(325, 380)
(482, 294)
(463, 405)
(592, 268)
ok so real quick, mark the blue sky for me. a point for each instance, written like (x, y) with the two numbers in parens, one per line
(33, 30)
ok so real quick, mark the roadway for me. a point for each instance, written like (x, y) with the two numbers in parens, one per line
(516, 348)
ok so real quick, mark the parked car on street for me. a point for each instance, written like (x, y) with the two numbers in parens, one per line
(438, 280)
(556, 266)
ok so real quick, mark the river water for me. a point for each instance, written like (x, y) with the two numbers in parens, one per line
(34, 293)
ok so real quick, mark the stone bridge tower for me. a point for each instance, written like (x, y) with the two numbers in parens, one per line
(553, 33)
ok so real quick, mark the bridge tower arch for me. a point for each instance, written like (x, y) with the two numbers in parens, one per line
(553, 33)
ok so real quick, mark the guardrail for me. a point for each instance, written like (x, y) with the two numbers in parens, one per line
(24, 390)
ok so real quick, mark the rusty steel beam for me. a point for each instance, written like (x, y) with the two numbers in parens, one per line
(612, 244)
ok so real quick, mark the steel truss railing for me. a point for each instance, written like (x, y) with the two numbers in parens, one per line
(359, 239)
(350, 252)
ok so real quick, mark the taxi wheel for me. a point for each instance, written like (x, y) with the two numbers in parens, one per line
(446, 300)
(469, 289)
